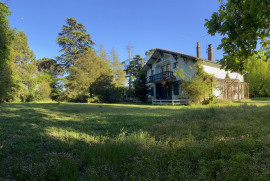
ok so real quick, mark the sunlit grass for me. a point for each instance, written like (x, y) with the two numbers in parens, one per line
(68, 141)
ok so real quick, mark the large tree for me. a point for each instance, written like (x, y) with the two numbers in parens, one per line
(119, 75)
(73, 41)
(22, 52)
(8, 75)
(141, 87)
(84, 72)
(258, 75)
(243, 24)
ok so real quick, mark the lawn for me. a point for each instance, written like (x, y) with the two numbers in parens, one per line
(68, 141)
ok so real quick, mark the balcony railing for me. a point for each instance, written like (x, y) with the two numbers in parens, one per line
(161, 76)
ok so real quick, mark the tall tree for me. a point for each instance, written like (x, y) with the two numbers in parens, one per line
(22, 52)
(141, 87)
(243, 24)
(24, 58)
(134, 67)
(119, 75)
(73, 41)
(129, 48)
(103, 54)
(8, 73)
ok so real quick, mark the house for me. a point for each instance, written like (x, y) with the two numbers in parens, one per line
(163, 64)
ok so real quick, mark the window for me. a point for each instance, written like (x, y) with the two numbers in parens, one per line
(152, 72)
(175, 65)
(168, 67)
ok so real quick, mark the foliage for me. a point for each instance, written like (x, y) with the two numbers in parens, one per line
(198, 87)
(9, 77)
(119, 78)
(243, 24)
(29, 75)
(22, 52)
(149, 53)
(103, 54)
(141, 87)
(67, 141)
(84, 73)
(134, 67)
(258, 76)
(73, 41)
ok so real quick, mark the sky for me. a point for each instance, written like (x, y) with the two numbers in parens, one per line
(175, 25)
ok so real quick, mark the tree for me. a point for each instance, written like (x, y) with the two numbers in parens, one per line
(258, 75)
(149, 53)
(8, 72)
(103, 54)
(134, 67)
(242, 24)
(50, 71)
(197, 87)
(22, 52)
(84, 72)
(24, 59)
(141, 87)
(119, 75)
(73, 41)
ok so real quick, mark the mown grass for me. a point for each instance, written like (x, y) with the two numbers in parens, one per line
(50, 141)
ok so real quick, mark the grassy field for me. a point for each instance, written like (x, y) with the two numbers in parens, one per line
(66, 141)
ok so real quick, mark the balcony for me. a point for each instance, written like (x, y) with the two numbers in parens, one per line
(161, 76)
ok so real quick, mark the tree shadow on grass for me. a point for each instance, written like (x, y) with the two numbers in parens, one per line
(30, 149)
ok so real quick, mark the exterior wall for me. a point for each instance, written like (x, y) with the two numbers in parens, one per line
(221, 74)
(189, 70)
(186, 64)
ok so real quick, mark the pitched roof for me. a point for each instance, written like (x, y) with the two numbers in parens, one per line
(158, 51)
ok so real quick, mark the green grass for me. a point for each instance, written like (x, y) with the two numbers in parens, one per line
(51, 141)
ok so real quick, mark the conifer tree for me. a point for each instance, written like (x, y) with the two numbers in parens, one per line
(73, 41)
(119, 75)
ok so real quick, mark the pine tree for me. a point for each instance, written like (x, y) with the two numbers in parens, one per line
(73, 41)
(103, 54)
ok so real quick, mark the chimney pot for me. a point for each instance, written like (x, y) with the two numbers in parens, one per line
(198, 50)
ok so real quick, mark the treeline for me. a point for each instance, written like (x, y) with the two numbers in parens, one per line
(79, 74)
(258, 75)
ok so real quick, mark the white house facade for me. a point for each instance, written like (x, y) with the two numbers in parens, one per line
(163, 65)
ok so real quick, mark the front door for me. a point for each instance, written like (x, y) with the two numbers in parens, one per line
(162, 93)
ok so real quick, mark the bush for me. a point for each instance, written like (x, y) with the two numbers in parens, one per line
(93, 100)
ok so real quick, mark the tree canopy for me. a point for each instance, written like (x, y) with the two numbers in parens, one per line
(243, 25)
(73, 41)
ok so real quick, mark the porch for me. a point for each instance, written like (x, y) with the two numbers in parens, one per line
(169, 101)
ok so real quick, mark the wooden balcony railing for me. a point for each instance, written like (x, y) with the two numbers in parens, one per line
(161, 76)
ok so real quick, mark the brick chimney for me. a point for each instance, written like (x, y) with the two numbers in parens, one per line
(198, 50)
(210, 53)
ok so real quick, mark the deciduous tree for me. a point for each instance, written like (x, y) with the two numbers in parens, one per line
(243, 24)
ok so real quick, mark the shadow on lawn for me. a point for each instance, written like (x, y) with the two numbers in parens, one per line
(28, 151)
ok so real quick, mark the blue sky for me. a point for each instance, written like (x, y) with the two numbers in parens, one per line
(168, 24)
